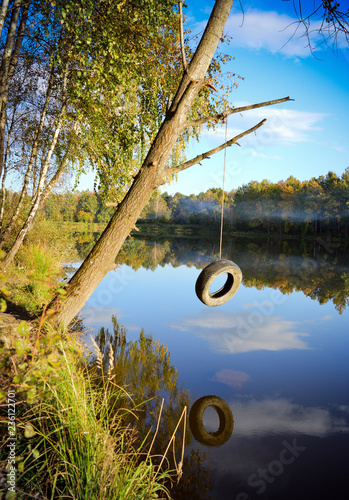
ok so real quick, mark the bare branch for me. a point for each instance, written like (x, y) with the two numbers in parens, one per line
(222, 116)
(333, 22)
(197, 159)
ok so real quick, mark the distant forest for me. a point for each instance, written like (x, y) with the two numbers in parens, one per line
(315, 207)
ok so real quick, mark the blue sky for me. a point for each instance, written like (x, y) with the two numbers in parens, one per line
(306, 137)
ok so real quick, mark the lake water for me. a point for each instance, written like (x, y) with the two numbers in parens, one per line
(276, 354)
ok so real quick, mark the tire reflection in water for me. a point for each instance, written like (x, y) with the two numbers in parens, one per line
(226, 421)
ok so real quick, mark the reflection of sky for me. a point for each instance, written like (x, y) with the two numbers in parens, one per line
(285, 343)
(280, 361)
(281, 416)
(267, 429)
(232, 378)
(244, 331)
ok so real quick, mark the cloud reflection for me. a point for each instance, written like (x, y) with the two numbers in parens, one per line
(231, 378)
(230, 332)
(96, 314)
(278, 416)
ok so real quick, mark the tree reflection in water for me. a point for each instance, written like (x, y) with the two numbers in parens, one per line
(318, 268)
(143, 368)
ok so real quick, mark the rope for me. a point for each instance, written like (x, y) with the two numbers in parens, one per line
(222, 210)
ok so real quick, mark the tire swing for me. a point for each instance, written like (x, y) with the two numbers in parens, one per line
(226, 421)
(215, 269)
(209, 274)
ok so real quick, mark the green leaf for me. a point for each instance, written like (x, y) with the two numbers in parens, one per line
(23, 328)
(29, 431)
(3, 305)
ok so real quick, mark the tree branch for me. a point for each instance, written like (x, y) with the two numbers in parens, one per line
(224, 114)
(197, 159)
(3, 13)
(181, 36)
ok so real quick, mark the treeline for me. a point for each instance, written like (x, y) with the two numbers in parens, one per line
(319, 206)
(315, 207)
(85, 206)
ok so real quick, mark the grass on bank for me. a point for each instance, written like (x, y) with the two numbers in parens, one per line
(70, 438)
(36, 272)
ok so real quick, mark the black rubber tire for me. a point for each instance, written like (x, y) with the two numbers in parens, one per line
(209, 274)
(226, 421)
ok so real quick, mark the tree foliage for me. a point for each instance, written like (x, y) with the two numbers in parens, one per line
(90, 87)
(125, 66)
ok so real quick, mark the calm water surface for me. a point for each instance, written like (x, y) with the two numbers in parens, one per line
(276, 354)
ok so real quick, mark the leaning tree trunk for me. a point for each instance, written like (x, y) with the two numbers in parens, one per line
(152, 173)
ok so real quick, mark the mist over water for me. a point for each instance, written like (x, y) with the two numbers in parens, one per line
(247, 210)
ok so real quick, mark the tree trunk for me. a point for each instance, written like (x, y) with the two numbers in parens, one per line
(5, 234)
(151, 175)
(3, 197)
(22, 234)
(3, 13)
(39, 194)
(8, 63)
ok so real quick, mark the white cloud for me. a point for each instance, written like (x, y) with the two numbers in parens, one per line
(283, 126)
(248, 305)
(255, 154)
(339, 148)
(317, 320)
(271, 31)
(279, 34)
(229, 332)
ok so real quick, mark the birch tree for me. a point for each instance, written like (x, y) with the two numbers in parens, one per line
(13, 31)
(33, 108)
(87, 105)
